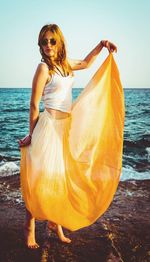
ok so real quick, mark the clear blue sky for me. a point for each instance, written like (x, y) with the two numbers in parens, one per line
(84, 23)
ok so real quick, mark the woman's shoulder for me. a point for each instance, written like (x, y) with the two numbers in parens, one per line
(43, 65)
(42, 71)
(44, 68)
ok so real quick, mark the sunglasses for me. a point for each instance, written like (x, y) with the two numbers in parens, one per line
(52, 41)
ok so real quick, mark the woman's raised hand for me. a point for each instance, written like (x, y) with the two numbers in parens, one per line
(25, 141)
(110, 46)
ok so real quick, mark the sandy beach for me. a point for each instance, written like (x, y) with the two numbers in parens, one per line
(121, 234)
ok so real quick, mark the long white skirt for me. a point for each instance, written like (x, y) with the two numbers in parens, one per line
(71, 170)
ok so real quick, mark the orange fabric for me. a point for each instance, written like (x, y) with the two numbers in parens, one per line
(71, 170)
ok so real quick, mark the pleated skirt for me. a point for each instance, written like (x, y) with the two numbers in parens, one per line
(71, 169)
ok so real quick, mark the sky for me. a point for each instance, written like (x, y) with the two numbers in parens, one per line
(84, 24)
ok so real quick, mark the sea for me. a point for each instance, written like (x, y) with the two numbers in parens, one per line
(14, 124)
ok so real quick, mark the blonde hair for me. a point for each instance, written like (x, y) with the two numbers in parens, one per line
(61, 53)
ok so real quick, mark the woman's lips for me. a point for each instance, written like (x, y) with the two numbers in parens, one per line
(50, 52)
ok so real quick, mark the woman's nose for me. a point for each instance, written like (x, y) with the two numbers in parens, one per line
(48, 43)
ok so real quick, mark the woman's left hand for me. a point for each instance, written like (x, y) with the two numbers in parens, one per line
(110, 46)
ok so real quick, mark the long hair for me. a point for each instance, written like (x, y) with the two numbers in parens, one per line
(61, 58)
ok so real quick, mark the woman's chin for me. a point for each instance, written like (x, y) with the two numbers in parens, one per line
(50, 54)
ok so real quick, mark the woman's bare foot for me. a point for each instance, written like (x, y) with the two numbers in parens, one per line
(58, 229)
(29, 231)
(30, 238)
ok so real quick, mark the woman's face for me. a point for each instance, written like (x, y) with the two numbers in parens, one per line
(49, 47)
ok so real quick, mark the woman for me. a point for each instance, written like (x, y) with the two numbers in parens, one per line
(53, 173)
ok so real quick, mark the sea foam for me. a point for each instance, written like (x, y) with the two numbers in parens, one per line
(9, 169)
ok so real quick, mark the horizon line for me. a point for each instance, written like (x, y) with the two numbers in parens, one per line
(124, 87)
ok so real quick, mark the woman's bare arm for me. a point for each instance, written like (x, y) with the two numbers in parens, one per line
(38, 83)
(40, 78)
(90, 58)
(87, 61)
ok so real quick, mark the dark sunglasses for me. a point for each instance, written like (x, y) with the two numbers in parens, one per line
(52, 41)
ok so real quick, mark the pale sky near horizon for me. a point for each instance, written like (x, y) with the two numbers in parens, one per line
(84, 23)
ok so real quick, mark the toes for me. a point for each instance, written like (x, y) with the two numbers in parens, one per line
(35, 246)
(68, 240)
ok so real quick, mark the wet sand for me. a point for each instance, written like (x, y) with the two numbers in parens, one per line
(121, 234)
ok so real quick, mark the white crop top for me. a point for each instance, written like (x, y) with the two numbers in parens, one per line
(57, 93)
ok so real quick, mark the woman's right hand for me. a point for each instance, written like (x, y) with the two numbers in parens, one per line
(26, 141)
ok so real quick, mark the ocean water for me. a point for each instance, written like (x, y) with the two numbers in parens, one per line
(14, 124)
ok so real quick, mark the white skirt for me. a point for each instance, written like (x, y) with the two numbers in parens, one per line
(71, 169)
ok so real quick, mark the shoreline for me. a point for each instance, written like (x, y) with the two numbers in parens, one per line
(120, 234)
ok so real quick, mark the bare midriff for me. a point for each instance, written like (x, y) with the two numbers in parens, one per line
(57, 114)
